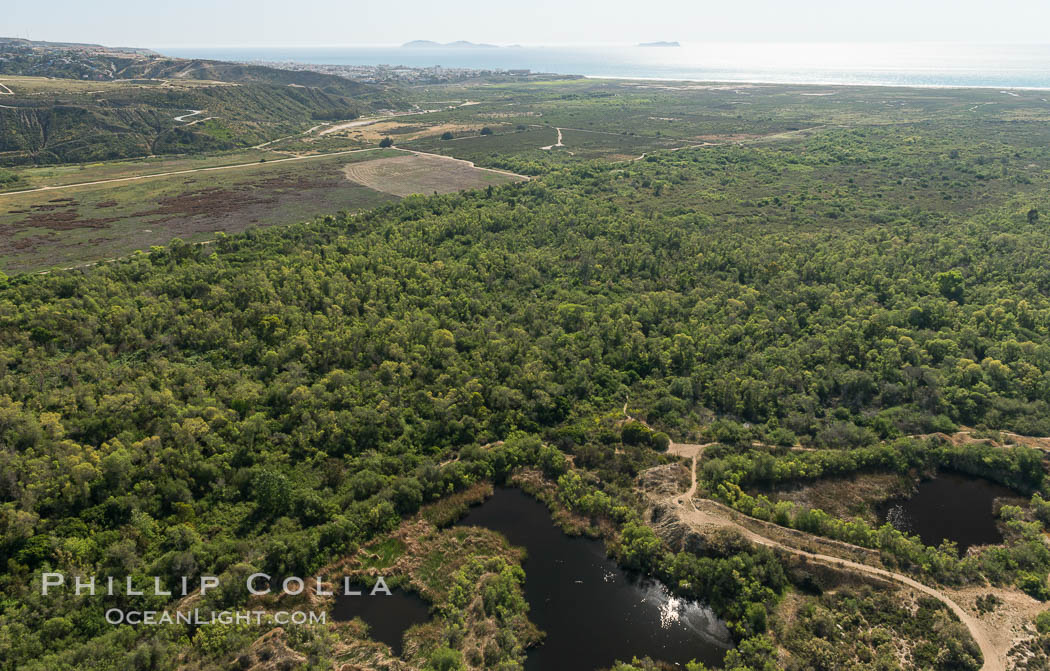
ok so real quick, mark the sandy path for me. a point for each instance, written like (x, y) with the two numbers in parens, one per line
(712, 514)
(4, 91)
(556, 144)
(575, 130)
(340, 126)
(368, 122)
(286, 137)
(350, 124)
(192, 113)
(581, 130)
(207, 118)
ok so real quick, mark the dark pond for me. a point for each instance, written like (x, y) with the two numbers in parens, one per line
(952, 506)
(387, 616)
(593, 612)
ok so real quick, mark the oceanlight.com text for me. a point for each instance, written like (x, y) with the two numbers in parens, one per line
(198, 617)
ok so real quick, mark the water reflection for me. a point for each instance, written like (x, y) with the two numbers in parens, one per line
(591, 610)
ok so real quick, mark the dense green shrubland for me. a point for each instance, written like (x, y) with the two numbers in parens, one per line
(280, 397)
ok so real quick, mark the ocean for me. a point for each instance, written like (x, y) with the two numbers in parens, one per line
(882, 64)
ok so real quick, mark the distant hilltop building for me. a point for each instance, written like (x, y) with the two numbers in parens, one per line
(519, 73)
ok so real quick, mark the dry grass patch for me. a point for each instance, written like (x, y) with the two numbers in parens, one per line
(846, 497)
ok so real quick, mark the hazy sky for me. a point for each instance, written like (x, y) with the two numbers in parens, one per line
(334, 22)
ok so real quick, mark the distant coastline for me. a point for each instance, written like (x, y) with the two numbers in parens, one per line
(774, 82)
(818, 64)
(659, 44)
(458, 44)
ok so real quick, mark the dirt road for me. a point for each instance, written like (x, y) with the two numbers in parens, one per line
(710, 514)
(192, 113)
(188, 171)
(288, 137)
(201, 120)
(468, 163)
(256, 164)
(341, 125)
(556, 144)
(368, 122)
(349, 124)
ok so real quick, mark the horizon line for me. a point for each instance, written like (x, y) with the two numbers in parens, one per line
(384, 45)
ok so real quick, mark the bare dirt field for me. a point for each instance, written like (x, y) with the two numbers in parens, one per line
(422, 173)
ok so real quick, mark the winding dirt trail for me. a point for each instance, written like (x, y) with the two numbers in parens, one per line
(712, 514)
(201, 120)
(4, 91)
(192, 113)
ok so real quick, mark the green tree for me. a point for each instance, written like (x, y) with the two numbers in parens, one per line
(1042, 622)
(634, 432)
(639, 547)
(445, 659)
(950, 284)
(272, 492)
(660, 441)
